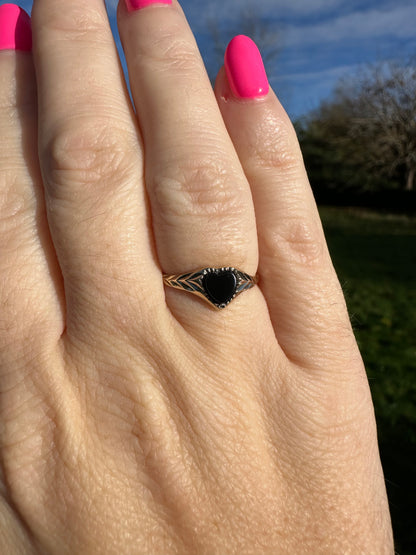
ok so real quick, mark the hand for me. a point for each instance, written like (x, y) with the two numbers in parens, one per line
(134, 417)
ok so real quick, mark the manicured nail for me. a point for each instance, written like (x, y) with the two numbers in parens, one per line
(139, 4)
(15, 28)
(245, 68)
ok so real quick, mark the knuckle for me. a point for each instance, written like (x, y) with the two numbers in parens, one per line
(12, 203)
(167, 50)
(17, 209)
(178, 55)
(275, 146)
(77, 21)
(198, 189)
(87, 153)
(277, 155)
(9, 104)
(297, 240)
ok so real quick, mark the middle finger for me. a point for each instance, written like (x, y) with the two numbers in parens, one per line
(91, 161)
(201, 202)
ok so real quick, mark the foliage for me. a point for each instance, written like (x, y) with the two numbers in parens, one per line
(364, 137)
(375, 258)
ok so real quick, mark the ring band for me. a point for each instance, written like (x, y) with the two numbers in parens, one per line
(218, 286)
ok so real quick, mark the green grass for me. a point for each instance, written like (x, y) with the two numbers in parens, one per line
(375, 258)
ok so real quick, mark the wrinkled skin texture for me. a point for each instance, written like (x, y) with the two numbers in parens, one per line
(134, 418)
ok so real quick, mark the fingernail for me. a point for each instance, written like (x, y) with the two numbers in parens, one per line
(15, 28)
(139, 4)
(245, 68)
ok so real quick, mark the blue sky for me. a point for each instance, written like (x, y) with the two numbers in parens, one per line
(319, 41)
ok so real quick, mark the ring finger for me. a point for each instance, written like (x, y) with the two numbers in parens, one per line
(202, 209)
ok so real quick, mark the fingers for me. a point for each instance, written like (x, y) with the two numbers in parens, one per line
(297, 277)
(201, 203)
(29, 274)
(91, 165)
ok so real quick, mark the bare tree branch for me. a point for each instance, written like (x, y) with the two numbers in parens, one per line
(248, 22)
(372, 120)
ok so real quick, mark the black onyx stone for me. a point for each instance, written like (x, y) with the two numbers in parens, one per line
(220, 286)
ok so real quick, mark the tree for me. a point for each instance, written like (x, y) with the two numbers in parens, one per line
(370, 126)
(383, 107)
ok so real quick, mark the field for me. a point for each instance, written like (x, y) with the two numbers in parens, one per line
(375, 258)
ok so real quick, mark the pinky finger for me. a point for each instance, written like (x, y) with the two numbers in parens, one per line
(298, 280)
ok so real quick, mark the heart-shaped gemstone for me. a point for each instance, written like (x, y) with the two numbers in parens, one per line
(220, 286)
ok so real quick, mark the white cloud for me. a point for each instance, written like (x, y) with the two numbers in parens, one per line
(326, 75)
(398, 22)
(278, 8)
(395, 20)
(303, 91)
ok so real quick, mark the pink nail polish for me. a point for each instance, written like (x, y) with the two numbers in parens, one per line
(245, 68)
(15, 28)
(139, 4)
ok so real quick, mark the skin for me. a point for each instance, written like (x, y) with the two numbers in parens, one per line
(134, 418)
